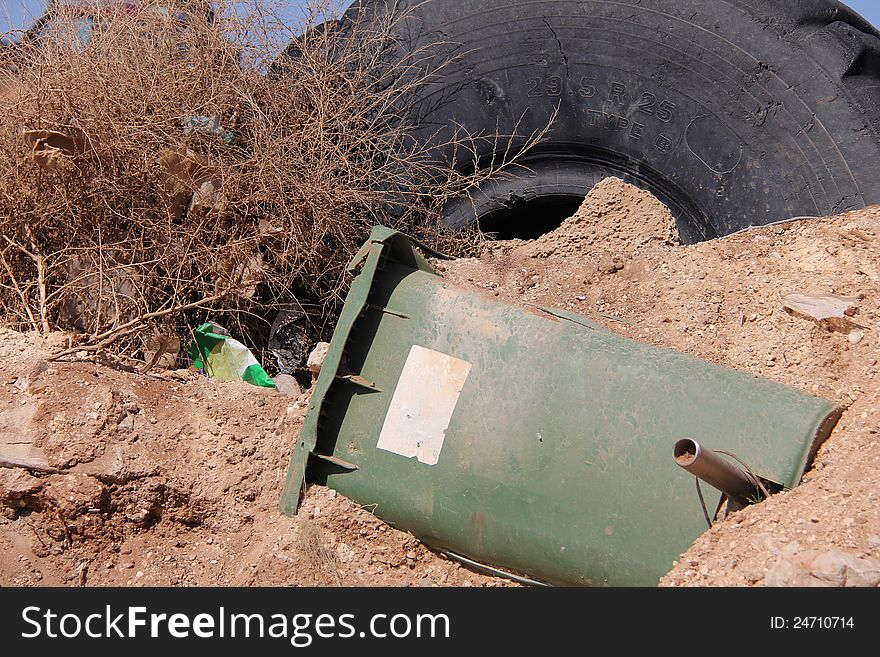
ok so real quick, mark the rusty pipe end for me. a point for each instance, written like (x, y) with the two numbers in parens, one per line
(686, 451)
(706, 464)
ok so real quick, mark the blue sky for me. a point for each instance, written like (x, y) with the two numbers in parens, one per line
(20, 13)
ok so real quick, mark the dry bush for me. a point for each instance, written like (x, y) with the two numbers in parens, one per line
(167, 170)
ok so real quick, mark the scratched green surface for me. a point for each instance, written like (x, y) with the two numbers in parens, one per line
(557, 462)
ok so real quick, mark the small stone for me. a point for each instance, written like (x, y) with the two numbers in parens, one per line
(287, 385)
(609, 265)
(37, 386)
(833, 568)
(18, 488)
(828, 310)
(765, 541)
(317, 357)
(345, 553)
(855, 337)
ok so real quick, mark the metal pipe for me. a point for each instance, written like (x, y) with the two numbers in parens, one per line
(716, 471)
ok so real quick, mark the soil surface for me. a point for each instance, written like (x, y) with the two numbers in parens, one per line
(169, 478)
(174, 479)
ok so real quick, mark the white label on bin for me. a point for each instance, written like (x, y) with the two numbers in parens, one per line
(422, 405)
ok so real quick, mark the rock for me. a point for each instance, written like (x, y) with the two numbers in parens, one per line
(37, 386)
(18, 488)
(74, 494)
(287, 385)
(317, 357)
(609, 265)
(36, 381)
(855, 337)
(830, 311)
(765, 541)
(345, 553)
(182, 374)
(796, 567)
(120, 464)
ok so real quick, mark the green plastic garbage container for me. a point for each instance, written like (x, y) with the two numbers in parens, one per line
(528, 439)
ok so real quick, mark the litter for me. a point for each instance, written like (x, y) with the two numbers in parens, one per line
(48, 147)
(207, 125)
(830, 311)
(225, 358)
(191, 182)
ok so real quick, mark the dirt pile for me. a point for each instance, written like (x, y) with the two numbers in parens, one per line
(722, 300)
(614, 218)
(173, 479)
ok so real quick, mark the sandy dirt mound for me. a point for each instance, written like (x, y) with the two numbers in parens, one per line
(174, 479)
(613, 217)
(722, 301)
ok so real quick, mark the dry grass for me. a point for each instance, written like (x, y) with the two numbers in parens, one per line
(138, 220)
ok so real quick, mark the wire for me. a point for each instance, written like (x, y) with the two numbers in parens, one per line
(772, 223)
(702, 502)
(749, 470)
(495, 571)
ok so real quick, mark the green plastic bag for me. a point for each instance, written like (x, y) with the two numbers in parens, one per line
(225, 358)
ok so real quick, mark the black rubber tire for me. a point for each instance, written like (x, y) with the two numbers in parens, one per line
(733, 112)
